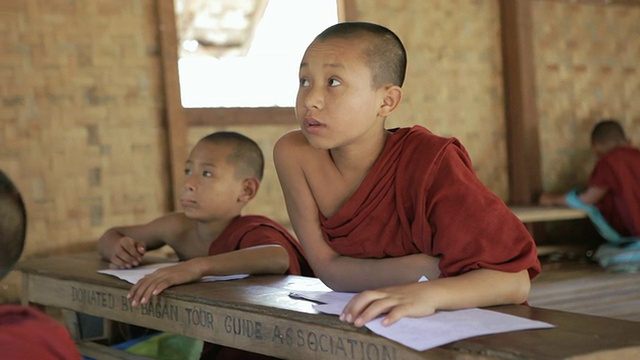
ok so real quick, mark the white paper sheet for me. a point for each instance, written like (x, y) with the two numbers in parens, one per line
(134, 275)
(432, 331)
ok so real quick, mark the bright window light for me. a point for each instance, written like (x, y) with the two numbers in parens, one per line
(268, 75)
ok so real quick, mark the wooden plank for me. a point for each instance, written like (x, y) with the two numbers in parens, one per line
(239, 116)
(260, 329)
(585, 287)
(347, 10)
(599, 2)
(528, 214)
(176, 121)
(257, 314)
(520, 101)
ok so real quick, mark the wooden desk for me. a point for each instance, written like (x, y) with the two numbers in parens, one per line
(257, 314)
(528, 214)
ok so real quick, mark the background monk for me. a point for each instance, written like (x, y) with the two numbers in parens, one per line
(614, 183)
(377, 209)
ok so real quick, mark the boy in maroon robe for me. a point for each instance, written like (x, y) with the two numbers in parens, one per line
(25, 332)
(210, 235)
(376, 209)
(614, 184)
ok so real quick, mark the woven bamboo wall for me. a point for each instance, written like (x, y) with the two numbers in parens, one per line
(588, 67)
(81, 122)
(454, 80)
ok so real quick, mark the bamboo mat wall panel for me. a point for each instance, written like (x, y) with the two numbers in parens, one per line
(81, 122)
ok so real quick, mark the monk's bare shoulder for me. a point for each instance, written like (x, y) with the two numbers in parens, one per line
(291, 145)
(302, 168)
(293, 150)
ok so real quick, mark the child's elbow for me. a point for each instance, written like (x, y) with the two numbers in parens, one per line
(335, 281)
(521, 289)
(279, 261)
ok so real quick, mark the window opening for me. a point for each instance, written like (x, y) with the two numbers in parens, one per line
(245, 53)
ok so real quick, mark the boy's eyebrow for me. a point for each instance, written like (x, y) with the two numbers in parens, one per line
(204, 163)
(329, 65)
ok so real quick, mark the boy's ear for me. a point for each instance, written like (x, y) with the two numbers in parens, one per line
(250, 188)
(391, 99)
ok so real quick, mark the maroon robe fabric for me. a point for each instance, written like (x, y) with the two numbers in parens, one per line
(244, 232)
(27, 333)
(619, 172)
(423, 196)
(255, 230)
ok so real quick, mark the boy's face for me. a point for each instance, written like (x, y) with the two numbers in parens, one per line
(336, 103)
(211, 189)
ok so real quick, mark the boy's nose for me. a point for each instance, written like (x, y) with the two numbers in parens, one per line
(313, 97)
(188, 184)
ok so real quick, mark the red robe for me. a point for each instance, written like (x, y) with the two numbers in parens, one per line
(244, 232)
(619, 172)
(27, 333)
(423, 196)
(255, 230)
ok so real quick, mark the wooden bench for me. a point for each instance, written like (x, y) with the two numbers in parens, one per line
(256, 314)
(530, 214)
(579, 285)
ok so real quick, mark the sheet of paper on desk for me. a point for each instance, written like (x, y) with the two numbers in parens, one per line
(134, 275)
(431, 331)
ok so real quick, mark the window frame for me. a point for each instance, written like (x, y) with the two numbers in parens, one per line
(179, 119)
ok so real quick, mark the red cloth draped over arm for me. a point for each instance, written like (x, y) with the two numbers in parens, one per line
(255, 230)
(422, 195)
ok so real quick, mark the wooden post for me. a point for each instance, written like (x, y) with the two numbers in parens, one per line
(175, 118)
(520, 102)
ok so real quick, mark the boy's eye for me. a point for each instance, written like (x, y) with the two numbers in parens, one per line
(304, 82)
(334, 82)
(207, 174)
(187, 171)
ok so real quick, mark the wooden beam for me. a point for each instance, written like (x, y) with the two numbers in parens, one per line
(347, 10)
(240, 116)
(520, 102)
(598, 2)
(175, 118)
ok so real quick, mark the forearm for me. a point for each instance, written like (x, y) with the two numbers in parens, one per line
(480, 288)
(354, 275)
(267, 259)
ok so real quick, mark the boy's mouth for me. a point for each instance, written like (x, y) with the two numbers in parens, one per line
(310, 122)
(187, 202)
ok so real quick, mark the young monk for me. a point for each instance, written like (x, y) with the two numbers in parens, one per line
(614, 183)
(25, 333)
(222, 175)
(378, 208)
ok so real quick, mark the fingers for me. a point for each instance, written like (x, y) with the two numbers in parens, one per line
(366, 306)
(394, 303)
(396, 314)
(147, 287)
(128, 254)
